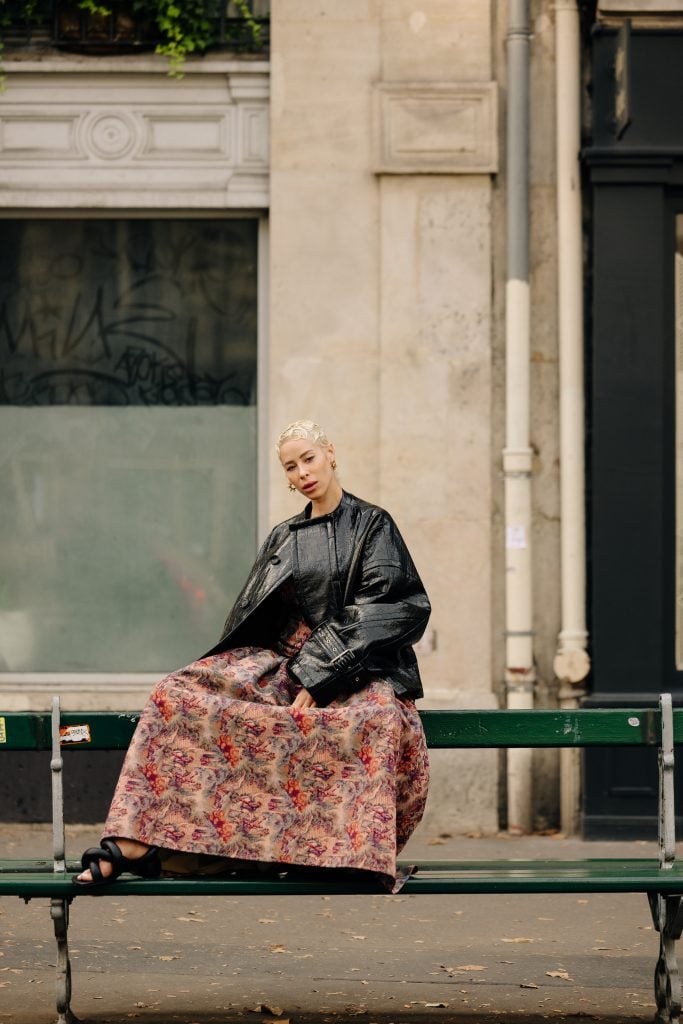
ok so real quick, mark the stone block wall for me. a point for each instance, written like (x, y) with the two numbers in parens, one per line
(384, 142)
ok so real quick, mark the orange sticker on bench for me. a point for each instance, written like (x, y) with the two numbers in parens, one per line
(75, 734)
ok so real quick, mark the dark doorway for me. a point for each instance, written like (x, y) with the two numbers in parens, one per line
(635, 165)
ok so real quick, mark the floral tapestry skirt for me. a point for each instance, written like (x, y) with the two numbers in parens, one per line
(222, 764)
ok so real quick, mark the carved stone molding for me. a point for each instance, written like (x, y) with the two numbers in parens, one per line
(436, 128)
(100, 136)
(110, 135)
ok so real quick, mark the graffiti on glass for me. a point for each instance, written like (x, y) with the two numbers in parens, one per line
(118, 322)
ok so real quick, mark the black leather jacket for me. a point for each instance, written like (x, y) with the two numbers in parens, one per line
(358, 590)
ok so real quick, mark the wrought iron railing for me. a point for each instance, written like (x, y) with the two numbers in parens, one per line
(63, 24)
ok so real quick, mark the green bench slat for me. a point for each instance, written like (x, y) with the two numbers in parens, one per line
(33, 866)
(601, 727)
(24, 730)
(603, 876)
(109, 730)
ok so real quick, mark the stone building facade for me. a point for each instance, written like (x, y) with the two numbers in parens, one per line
(369, 150)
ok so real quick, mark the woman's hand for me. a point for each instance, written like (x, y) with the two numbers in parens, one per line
(303, 699)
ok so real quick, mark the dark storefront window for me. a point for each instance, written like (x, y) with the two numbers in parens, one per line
(127, 438)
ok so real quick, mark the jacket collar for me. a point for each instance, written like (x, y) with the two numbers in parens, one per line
(303, 519)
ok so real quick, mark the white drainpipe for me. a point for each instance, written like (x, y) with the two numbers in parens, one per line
(517, 455)
(572, 663)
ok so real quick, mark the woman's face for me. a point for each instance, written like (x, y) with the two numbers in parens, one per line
(309, 468)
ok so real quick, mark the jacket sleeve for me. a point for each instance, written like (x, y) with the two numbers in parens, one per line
(385, 609)
(242, 599)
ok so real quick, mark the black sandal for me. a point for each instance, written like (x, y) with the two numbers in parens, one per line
(146, 866)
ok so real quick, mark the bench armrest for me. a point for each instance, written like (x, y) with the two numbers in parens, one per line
(667, 809)
(56, 766)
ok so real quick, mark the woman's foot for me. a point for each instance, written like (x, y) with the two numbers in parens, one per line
(113, 857)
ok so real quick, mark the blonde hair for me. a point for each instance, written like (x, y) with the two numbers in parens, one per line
(304, 430)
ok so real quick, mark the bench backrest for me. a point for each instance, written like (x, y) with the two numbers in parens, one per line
(586, 727)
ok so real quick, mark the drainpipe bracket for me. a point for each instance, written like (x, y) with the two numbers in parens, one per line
(517, 461)
(520, 680)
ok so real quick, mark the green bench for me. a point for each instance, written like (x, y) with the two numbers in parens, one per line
(661, 878)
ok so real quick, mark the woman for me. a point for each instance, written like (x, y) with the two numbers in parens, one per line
(295, 740)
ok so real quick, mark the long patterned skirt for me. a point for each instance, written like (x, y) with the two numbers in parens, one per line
(222, 764)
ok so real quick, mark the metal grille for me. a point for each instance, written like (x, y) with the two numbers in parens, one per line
(62, 24)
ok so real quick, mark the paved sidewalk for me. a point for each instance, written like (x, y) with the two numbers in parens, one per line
(388, 960)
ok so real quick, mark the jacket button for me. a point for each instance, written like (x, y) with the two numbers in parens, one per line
(245, 603)
(275, 559)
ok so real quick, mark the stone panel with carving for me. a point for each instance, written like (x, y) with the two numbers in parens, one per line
(73, 136)
(436, 128)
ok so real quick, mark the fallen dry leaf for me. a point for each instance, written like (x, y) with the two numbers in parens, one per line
(461, 967)
(518, 938)
(436, 841)
(266, 920)
(559, 974)
(174, 957)
(528, 984)
(437, 1004)
(278, 948)
(274, 1011)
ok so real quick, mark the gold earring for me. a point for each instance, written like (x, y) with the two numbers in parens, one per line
(292, 487)
(334, 463)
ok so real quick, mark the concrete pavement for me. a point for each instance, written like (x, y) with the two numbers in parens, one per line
(388, 960)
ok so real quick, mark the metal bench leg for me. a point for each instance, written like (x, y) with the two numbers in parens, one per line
(667, 912)
(59, 912)
(59, 909)
(667, 915)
